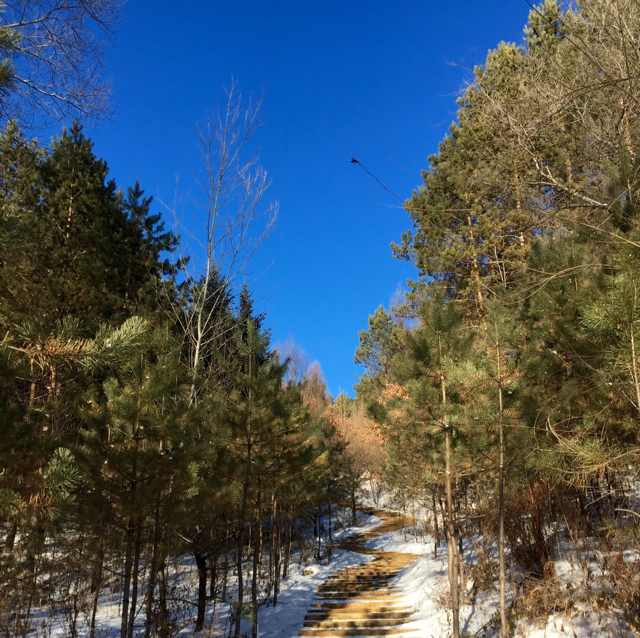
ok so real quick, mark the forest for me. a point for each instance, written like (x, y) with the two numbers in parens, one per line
(149, 426)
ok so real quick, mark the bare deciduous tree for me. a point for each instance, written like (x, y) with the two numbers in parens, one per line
(234, 220)
(52, 57)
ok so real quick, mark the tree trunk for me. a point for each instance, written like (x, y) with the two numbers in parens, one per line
(96, 586)
(134, 575)
(75, 610)
(452, 553)
(452, 550)
(436, 530)
(201, 564)
(287, 554)
(277, 541)
(354, 519)
(504, 628)
(225, 573)
(257, 549)
(10, 539)
(275, 544)
(239, 552)
(163, 616)
(318, 533)
(35, 546)
(330, 533)
(153, 574)
(213, 582)
(126, 581)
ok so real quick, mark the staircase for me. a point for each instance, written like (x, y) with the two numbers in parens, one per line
(363, 600)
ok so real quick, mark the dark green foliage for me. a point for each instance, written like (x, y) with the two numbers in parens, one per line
(105, 456)
(74, 246)
(526, 232)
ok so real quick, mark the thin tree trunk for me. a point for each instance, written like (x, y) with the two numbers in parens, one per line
(275, 544)
(135, 577)
(504, 628)
(435, 523)
(126, 584)
(257, 550)
(239, 552)
(10, 539)
(225, 570)
(133, 538)
(451, 533)
(73, 630)
(96, 586)
(277, 552)
(451, 540)
(330, 530)
(287, 554)
(245, 497)
(34, 550)
(354, 519)
(163, 620)
(201, 564)
(319, 533)
(475, 268)
(153, 574)
(213, 583)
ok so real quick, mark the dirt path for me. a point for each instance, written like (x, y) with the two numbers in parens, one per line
(362, 600)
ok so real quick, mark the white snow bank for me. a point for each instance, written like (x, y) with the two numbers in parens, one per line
(586, 624)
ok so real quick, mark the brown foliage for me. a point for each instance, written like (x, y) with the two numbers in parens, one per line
(362, 436)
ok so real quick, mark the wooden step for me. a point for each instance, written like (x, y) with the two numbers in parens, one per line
(365, 596)
(346, 613)
(377, 582)
(362, 600)
(359, 593)
(354, 623)
(347, 587)
(381, 590)
(373, 631)
(362, 605)
(359, 581)
(363, 579)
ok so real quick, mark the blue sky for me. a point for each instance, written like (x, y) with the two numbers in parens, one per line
(376, 80)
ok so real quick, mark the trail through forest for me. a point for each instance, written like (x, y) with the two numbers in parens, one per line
(364, 600)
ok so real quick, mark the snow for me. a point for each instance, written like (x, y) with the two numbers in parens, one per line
(286, 619)
(424, 586)
(586, 624)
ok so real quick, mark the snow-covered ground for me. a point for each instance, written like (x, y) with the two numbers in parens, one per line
(298, 591)
(282, 621)
(424, 585)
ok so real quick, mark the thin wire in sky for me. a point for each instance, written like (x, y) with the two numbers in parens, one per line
(355, 161)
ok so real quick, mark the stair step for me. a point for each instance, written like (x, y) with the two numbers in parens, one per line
(336, 584)
(373, 631)
(352, 595)
(355, 623)
(360, 581)
(364, 590)
(363, 587)
(363, 600)
(368, 605)
(340, 614)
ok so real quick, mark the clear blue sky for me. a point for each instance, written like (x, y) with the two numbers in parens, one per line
(374, 79)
